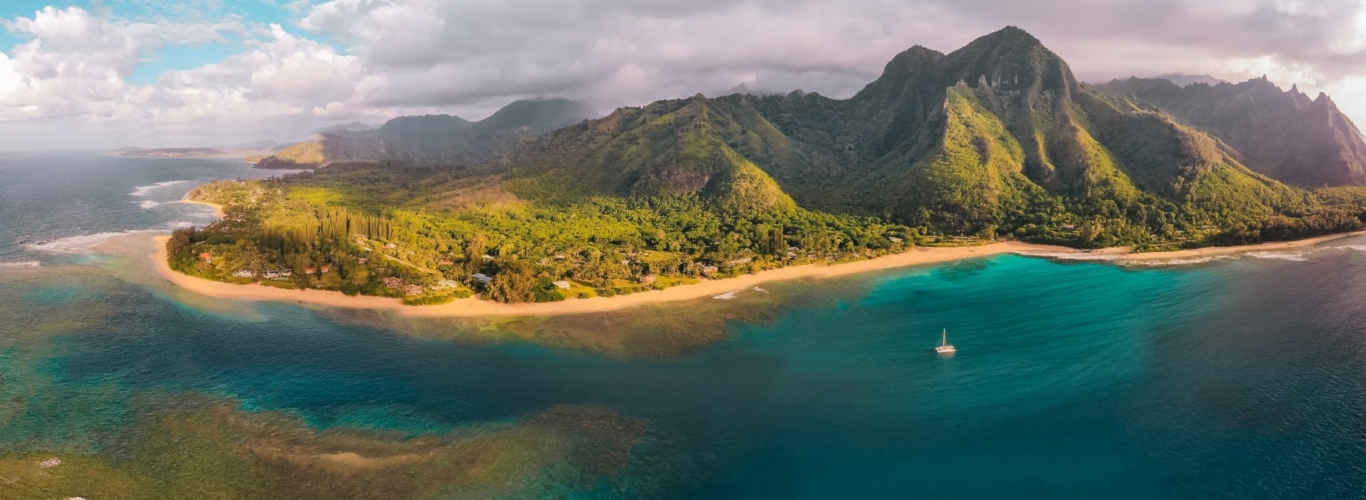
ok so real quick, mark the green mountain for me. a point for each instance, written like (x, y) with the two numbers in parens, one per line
(1283, 134)
(437, 139)
(997, 136)
(994, 139)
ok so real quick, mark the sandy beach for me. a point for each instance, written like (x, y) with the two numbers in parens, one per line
(477, 307)
(217, 209)
(474, 307)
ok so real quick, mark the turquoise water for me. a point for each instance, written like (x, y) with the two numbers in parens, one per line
(1236, 378)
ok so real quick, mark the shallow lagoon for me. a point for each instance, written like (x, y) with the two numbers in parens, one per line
(1239, 377)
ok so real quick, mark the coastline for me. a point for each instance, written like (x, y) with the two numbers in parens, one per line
(474, 307)
(217, 209)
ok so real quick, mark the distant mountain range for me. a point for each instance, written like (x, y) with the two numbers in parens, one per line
(997, 135)
(1283, 134)
(238, 150)
(433, 139)
(1182, 80)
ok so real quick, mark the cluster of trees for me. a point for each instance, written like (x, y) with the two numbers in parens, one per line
(388, 230)
(1282, 228)
(604, 243)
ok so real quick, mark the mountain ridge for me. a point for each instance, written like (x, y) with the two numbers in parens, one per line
(1283, 134)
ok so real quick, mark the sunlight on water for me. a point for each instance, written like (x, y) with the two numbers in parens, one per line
(1242, 377)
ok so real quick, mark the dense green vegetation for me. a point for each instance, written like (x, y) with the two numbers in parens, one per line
(994, 140)
(343, 224)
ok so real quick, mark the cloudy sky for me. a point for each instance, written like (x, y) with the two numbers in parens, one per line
(111, 73)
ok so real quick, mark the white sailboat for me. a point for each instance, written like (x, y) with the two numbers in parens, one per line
(944, 346)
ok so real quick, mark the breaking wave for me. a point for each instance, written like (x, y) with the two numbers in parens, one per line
(1190, 261)
(29, 263)
(1081, 256)
(85, 243)
(1290, 256)
(145, 190)
(726, 296)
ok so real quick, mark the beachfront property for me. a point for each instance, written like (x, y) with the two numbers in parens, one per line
(562, 285)
(649, 279)
(244, 273)
(710, 270)
(482, 278)
(446, 285)
(206, 257)
(277, 275)
(393, 283)
(740, 261)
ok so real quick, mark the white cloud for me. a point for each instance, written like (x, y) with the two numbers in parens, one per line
(470, 57)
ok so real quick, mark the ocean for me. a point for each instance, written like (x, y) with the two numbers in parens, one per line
(1236, 377)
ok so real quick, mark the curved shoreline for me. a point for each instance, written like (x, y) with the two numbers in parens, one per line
(217, 209)
(474, 307)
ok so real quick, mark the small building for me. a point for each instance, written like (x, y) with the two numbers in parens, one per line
(446, 262)
(244, 273)
(709, 270)
(894, 239)
(206, 257)
(327, 269)
(482, 278)
(414, 290)
(391, 246)
(310, 270)
(649, 279)
(363, 260)
(393, 283)
(562, 285)
(447, 285)
(741, 261)
(1069, 227)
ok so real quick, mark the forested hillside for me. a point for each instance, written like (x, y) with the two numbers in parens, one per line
(1283, 134)
(995, 140)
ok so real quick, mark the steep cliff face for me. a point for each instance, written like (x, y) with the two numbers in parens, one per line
(961, 141)
(1283, 134)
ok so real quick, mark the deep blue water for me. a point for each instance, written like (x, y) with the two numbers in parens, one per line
(1236, 378)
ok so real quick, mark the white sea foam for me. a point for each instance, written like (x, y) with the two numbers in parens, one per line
(148, 204)
(1191, 261)
(1290, 256)
(145, 190)
(727, 296)
(29, 263)
(85, 243)
(1084, 256)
